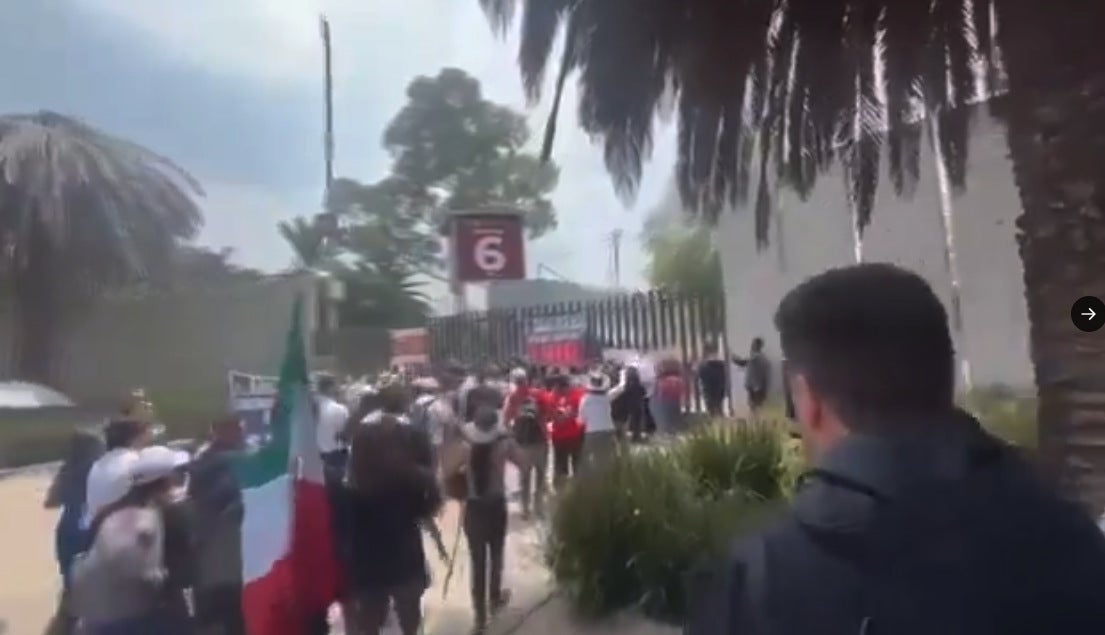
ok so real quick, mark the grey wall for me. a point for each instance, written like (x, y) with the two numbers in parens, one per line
(178, 345)
(508, 294)
(817, 234)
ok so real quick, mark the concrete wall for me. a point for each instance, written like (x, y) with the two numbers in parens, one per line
(179, 345)
(815, 235)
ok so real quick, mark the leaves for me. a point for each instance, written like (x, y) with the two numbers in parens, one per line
(797, 79)
(681, 257)
(108, 210)
(308, 238)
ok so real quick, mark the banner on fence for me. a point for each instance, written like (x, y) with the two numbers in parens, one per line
(558, 340)
(252, 398)
(410, 347)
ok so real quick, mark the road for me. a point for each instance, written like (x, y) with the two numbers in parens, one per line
(30, 584)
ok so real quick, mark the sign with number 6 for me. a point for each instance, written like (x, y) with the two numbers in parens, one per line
(488, 246)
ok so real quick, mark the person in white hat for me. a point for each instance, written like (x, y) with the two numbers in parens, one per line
(131, 579)
(600, 435)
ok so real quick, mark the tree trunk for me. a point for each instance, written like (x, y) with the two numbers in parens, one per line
(1056, 132)
(36, 311)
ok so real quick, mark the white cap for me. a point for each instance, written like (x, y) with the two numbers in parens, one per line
(426, 383)
(518, 374)
(156, 462)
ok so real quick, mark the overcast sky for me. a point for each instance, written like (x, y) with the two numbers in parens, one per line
(232, 90)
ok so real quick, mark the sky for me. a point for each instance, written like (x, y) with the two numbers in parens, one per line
(232, 91)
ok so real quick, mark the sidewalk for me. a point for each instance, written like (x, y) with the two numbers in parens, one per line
(554, 617)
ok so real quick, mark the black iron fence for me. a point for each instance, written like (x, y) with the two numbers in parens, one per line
(657, 323)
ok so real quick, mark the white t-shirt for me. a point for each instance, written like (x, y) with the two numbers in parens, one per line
(109, 480)
(331, 421)
(594, 412)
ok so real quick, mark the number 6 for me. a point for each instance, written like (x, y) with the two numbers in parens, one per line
(489, 255)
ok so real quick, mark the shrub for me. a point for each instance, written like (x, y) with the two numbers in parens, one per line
(736, 458)
(627, 533)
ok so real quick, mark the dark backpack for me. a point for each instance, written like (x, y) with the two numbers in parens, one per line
(528, 427)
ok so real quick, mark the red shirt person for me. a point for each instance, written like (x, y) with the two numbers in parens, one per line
(565, 429)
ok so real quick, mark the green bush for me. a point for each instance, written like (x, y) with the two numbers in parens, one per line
(724, 458)
(1006, 413)
(627, 533)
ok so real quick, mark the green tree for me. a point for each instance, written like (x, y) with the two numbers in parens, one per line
(309, 239)
(682, 257)
(786, 89)
(81, 210)
(459, 150)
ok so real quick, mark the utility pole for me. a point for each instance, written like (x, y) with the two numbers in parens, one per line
(328, 100)
(616, 257)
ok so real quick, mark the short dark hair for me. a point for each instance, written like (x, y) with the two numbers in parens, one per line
(326, 384)
(393, 398)
(121, 433)
(873, 339)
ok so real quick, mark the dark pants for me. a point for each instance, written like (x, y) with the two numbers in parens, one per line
(714, 404)
(485, 531)
(566, 456)
(218, 610)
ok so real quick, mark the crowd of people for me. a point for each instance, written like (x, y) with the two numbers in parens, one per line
(148, 539)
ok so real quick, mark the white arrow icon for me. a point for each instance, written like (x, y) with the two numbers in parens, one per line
(1089, 313)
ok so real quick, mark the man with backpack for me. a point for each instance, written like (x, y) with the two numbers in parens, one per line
(527, 412)
(913, 519)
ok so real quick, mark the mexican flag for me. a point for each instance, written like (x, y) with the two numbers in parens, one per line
(289, 570)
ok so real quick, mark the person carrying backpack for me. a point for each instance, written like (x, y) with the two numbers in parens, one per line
(913, 519)
(482, 457)
(527, 413)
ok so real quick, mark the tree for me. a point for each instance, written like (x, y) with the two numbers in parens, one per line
(458, 150)
(308, 239)
(789, 88)
(81, 210)
(681, 257)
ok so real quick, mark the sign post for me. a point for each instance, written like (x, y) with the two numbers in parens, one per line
(485, 244)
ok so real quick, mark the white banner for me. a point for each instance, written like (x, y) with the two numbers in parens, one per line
(252, 398)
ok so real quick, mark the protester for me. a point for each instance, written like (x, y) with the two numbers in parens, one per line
(527, 412)
(565, 430)
(481, 394)
(392, 491)
(666, 401)
(109, 476)
(482, 458)
(713, 379)
(629, 406)
(216, 498)
(68, 491)
(914, 519)
(129, 582)
(600, 436)
(332, 417)
(757, 376)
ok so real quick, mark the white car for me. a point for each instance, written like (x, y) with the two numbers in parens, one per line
(24, 395)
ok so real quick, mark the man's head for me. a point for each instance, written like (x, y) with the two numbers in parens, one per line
(519, 377)
(867, 350)
(393, 398)
(127, 433)
(228, 432)
(757, 344)
(327, 386)
(559, 384)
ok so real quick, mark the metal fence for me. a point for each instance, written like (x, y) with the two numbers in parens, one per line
(658, 323)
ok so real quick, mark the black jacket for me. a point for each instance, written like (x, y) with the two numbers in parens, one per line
(948, 533)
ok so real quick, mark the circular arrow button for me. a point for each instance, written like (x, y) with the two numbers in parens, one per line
(1088, 314)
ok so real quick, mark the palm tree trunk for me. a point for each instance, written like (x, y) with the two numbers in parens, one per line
(36, 312)
(1056, 134)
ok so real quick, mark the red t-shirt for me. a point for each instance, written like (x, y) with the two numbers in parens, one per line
(518, 396)
(565, 424)
(670, 387)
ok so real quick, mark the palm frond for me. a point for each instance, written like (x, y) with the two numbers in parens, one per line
(799, 80)
(101, 200)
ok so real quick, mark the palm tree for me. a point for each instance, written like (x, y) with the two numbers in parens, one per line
(80, 210)
(309, 240)
(780, 89)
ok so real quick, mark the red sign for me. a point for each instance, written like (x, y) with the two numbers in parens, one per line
(409, 347)
(558, 340)
(557, 353)
(488, 247)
